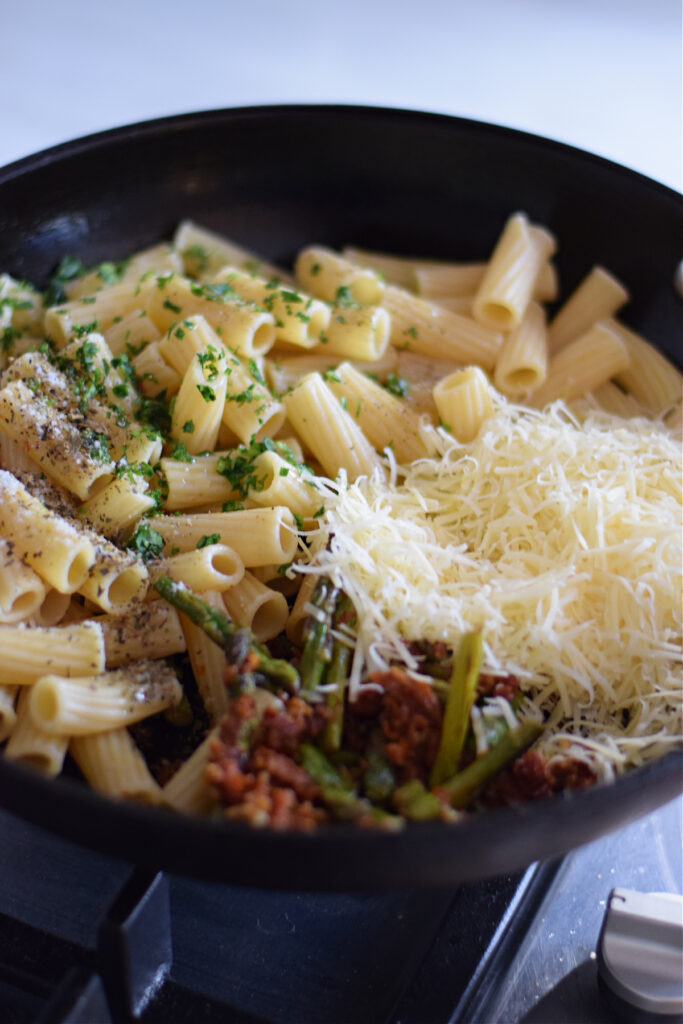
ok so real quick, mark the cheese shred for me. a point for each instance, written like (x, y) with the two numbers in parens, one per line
(556, 532)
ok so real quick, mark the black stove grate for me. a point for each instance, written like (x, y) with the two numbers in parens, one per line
(88, 940)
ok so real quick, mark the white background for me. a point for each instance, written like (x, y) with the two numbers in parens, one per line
(604, 75)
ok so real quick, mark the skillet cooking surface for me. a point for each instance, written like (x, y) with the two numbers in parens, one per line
(276, 179)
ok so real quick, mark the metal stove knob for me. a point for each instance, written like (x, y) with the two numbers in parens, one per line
(640, 952)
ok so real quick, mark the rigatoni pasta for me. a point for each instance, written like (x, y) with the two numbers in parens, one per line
(511, 275)
(83, 705)
(522, 363)
(464, 401)
(598, 296)
(330, 432)
(21, 590)
(221, 420)
(431, 330)
(33, 746)
(582, 365)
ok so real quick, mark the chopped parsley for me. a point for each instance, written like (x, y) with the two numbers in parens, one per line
(180, 453)
(7, 338)
(397, 385)
(97, 444)
(215, 292)
(207, 539)
(255, 372)
(344, 298)
(147, 541)
(68, 268)
(198, 257)
(239, 469)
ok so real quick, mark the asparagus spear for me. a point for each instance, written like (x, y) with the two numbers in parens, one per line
(344, 803)
(463, 787)
(337, 673)
(417, 803)
(379, 781)
(236, 641)
(317, 635)
(461, 695)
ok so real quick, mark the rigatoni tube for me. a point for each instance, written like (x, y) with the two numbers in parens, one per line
(74, 650)
(582, 365)
(523, 361)
(278, 482)
(8, 714)
(198, 407)
(78, 460)
(88, 704)
(464, 402)
(431, 330)
(330, 432)
(211, 567)
(196, 482)
(113, 765)
(208, 660)
(299, 318)
(261, 536)
(189, 791)
(253, 604)
(649, 377)
(385, 419)
(21, 589)
(32, 745)
(598, 296)
(241, 325)
(324, 273)
(510, 278)
(116, 580)
(361, 334)
(151, 630)
(44, 540)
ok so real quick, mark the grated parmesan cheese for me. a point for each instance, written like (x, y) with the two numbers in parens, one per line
(558, 533)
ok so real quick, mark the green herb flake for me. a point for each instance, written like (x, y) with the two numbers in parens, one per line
(344, 298)
(180, 453)
(207, 539)
(147, 541)
(97, 444)
(255, 372)
(397, 385)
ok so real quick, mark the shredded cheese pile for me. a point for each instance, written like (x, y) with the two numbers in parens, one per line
(560, 537)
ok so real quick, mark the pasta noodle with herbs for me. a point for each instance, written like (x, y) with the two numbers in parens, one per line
(268, 513)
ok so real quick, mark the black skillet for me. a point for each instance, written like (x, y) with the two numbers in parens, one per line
(276, 179)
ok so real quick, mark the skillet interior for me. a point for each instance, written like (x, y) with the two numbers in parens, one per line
(276, 179)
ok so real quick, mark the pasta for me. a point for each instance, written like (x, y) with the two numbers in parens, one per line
(273, 512)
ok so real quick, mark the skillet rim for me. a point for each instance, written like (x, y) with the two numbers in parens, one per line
(160, 125)
(649, 786)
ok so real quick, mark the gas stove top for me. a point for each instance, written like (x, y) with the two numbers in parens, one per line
(87, 939)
